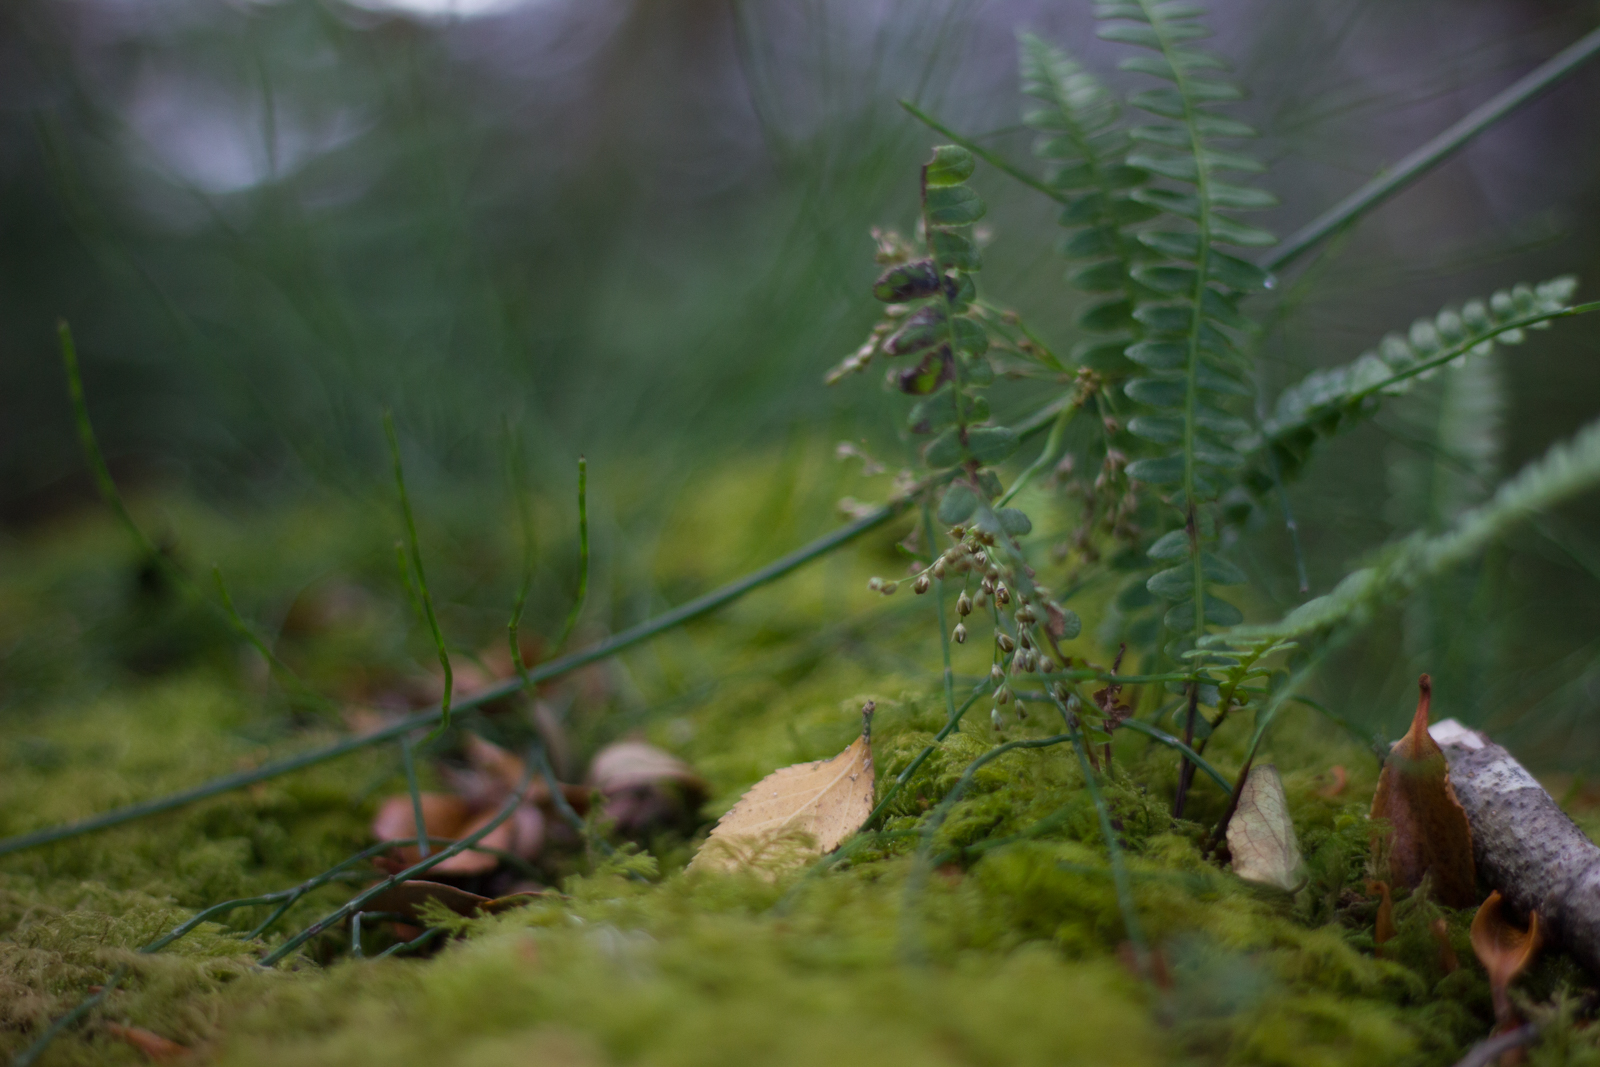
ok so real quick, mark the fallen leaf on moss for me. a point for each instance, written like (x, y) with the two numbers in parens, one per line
(1383, 929)
(157, 1048)
(1428, 829)
(1261, 834)
(644, 789)
(452, 818)
(824, 801)
(1505, 952)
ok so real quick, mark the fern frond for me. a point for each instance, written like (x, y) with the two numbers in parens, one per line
(1567, 469)
(1453, 459)
(1330, 401)
(1080, 138)
(1195, 376)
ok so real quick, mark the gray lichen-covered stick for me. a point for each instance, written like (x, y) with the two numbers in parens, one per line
(1524, 844)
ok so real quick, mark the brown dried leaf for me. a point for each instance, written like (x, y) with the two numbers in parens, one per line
(1383, 929)
(1428, 827)
(1261, 834)
(159, 1049)
(826, 801)
(1505, 952)
(645, 789)
(452, 818)
(625, 764)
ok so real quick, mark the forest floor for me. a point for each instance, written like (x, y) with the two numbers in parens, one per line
(116, 690)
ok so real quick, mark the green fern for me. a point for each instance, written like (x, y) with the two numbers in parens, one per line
(1078, 136)
(1331, 401)
(1195, 376)
(1569, 468)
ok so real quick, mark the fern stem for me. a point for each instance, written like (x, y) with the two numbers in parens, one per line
(1436, 151)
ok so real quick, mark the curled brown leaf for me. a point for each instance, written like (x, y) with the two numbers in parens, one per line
(1383, 929)
(1428, 829)
(1505, 952)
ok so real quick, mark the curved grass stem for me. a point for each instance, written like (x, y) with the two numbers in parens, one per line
(422, 579)
(634, 635)
(1436, 151)
(583, 555)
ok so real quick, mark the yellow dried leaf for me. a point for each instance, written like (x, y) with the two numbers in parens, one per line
(809, 808)
(1505, 952)
(1261, 834)
(1429, 832)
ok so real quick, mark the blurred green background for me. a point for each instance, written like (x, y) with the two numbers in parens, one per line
(639, 231)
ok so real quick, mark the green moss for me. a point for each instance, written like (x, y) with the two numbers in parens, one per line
(1011, 954)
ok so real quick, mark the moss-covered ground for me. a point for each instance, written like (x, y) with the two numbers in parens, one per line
(116, 689)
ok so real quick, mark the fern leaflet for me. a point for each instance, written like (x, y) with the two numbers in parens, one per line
(1329, 401)
(1194, 374)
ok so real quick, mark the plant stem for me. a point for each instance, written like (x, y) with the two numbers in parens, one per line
(1047, 457)
(28, 1056)
(1161, 736)
(634, 635)
(422, 578)
(1436, 151)
(354, 905)
(583, 555)
(416, 796)
(944, 628)
(983, 153)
